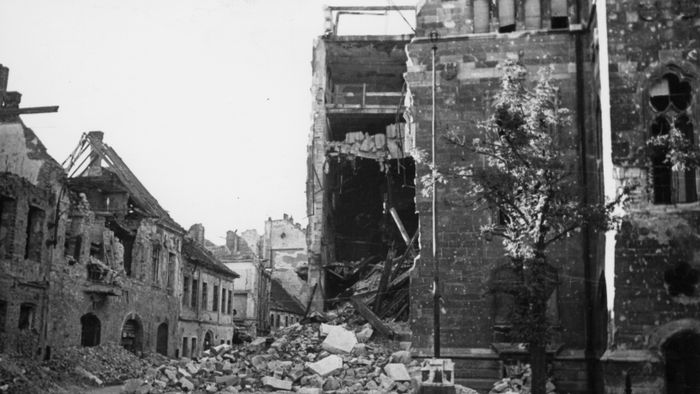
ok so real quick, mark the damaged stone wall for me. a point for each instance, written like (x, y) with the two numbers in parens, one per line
(467, 79)
(284, 245)
(30, 194)
(90, 280)
(657, 253)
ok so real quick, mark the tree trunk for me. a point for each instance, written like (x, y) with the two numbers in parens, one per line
(538, 365)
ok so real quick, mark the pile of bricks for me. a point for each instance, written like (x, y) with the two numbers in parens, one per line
(518, 381)
(311, 358)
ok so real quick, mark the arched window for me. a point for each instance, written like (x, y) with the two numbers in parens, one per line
(671, 106)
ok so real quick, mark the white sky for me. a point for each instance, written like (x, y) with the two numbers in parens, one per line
(207, 101)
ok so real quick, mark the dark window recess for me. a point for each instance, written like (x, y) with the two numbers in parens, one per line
(73, 246)
(193, 348)
(90, 330)
(185, 290)
(230, 302)
(215, 300)
(185, 350)
(7, 220)
(681, 280)
(35, 234)
(204, 296)
(171, 273)
(560, 14)
(162, 339)
(132, 336)
(3, 315)
(26, 316)
(661, 174)
(560, 22)
(155, 264)
(195, 290)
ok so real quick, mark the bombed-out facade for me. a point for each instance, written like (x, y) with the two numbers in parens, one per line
(640, 83)
(89, 256)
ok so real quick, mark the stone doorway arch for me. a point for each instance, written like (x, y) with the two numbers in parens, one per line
(682, 355)
(132, 334)
(208, 340)
(162, 339)
(90, 330)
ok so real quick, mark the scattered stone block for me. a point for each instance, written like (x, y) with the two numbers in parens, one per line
(397, 372)
(339, 340)
(186, 384)
(277, 384)
(326, 366)
(402, 356)
(89, 376)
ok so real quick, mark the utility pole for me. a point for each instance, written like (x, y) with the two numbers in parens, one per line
(436, 265)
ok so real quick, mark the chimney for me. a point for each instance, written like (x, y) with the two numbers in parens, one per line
(196, 232)
(232, 241)
(95, 166)
(4, 76)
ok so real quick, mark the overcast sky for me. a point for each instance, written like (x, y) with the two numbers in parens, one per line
(207, 101)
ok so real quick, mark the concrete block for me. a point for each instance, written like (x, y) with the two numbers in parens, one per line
(277, 384)
(227, 380)
(186, 384)
(339, 340)
(327, 365)
(397, 372)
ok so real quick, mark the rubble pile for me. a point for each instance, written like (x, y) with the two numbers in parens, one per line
(19, 374)
(104, 364)
(310, 358)
(380, 147)
(518, 381)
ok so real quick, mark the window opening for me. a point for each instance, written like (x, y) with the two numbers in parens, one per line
(204, 296)
(506, 16)
(7, 219)
(532, 15)
(560, 14)
(35, 223)
(195, 290)
(3, 315)
(215, 299)
(185, 290)
(26, 316)
(90, 330)
(171, 273)
(155, 263)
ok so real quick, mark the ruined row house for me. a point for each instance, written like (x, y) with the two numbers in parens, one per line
(90, 257)
(624, 310)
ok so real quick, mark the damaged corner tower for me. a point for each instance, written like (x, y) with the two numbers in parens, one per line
(359, 167)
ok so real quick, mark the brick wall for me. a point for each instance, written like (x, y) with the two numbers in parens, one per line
(466, 79)
(645, 38)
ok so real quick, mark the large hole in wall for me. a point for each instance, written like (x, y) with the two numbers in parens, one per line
(363, 229)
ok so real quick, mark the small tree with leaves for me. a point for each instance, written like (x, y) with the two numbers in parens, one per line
(529, 174)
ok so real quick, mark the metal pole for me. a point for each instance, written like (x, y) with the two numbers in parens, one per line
(436, 266)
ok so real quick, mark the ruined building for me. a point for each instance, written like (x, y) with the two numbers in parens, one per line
(31, 198)
(89, 256)
(627, 71)
(241, 253)
(284, 252)
(206, 316)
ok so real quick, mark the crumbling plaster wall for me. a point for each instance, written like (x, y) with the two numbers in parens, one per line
(29, 177)
(644, 37)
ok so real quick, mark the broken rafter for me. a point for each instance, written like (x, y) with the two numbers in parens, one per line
(373, 319)
(26, 111)
(386, 272)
